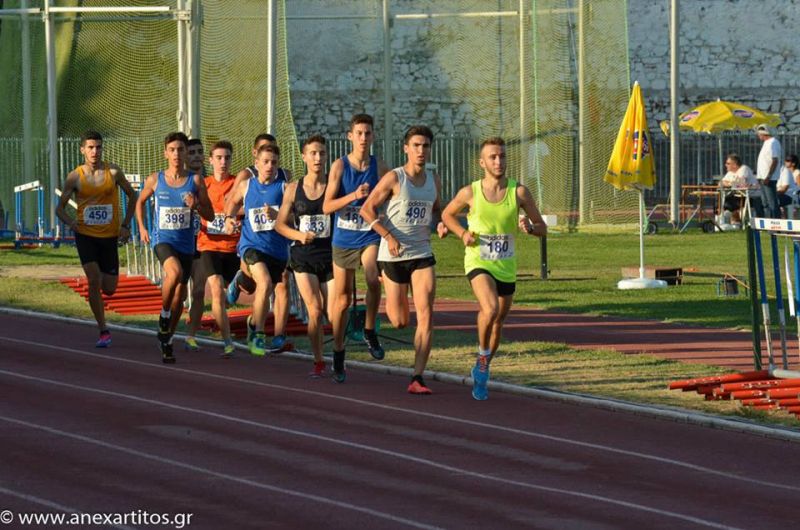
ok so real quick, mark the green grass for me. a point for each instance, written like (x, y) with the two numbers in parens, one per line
(584, 272)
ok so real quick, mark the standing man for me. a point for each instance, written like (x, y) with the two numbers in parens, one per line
(243, 282)
(355, 244)
(405, 255)
(95, 184)
(218, 262)
(197, 298)
(301, 219)
(263, 250)
(768, 169)
(178, 193)
(490, 259)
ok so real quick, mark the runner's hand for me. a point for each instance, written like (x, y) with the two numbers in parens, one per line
(362, 191)
(468, 238)
(231, 224)
(190, 200)
(307, 238)
(442, 230)
(272, 213)
(124, 234)
(144, 237)
(395, 248)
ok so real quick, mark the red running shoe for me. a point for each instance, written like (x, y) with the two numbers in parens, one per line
(417, 386)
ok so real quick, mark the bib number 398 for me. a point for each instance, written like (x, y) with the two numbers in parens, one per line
(174, 218)
(495, 247)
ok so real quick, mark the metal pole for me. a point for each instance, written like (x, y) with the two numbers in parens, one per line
(27, 107)
(388, 125)
(543, 256)
(52, 110)
(581, 115)
(523, 118)
(182, 119)
(193, 68)
(675, 133)
(271, 66)
(750, 234)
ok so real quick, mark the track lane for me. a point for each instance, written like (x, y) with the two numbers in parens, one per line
(505, 455)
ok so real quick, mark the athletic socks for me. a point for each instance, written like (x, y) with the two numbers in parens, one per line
(166, 313)
(338, 361)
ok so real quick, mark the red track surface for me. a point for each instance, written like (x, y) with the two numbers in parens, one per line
(253, 443)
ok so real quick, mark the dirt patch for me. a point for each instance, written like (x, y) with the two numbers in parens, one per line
(41, 272)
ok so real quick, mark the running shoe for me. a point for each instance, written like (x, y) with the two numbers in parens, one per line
(278, 342)
(480, 378)
(232, 292)
(259, 344)
(338, 367)
(227, 351)
(105, 339)
(251, 329)
(374, 345)
(318, 371)
(191, 344)
(418, 387)
(166, 353)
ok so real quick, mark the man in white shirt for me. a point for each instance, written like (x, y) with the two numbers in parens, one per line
(740, 177)
(768, 169)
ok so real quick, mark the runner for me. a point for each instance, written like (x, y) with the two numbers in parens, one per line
(301, 219)
(405, 255)
(95, 185)
(198, 277)
(263, 250)
(490, 261)
(177, 194)
(244, 283)
(218, 260)
(351, 179)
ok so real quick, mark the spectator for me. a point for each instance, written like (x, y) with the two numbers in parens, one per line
(768, 169)
(787, 185)
(739, 177)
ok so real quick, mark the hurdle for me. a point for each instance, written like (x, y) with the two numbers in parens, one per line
(776, 228)
(21, 236)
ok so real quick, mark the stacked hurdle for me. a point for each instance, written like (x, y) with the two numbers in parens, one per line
(39, 236)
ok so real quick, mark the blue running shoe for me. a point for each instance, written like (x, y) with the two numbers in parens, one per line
(105, 339)
(480, 378)
(232, 292)
(278, 342)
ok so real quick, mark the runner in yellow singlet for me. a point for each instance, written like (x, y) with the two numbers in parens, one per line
(490, 260)
(95, 186)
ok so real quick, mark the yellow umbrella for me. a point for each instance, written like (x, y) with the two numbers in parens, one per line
(718, 116)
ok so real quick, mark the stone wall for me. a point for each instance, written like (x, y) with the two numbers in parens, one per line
(738, 50)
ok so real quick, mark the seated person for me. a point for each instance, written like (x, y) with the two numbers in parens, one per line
(740, 177)
(787, 184)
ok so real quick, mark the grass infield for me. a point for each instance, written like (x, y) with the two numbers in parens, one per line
(584, 272)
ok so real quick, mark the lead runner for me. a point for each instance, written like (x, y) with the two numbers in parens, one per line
(490, 260)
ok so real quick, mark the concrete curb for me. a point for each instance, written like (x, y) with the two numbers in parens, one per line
(615, 405)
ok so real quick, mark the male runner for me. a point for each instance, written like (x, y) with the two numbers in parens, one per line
(195, 156)
(218, 260)
(263, 250)
(490, 260)
(177, 194)
(405, 255)
(95, 185)
(301, 219)
(194, 163)
(355, 244)
(242, 282)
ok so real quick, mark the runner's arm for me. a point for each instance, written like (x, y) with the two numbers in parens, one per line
(369, 211)
(282, 225)
(127, 189)
(437, 223)
(70, 187)
(534, 224)
(203, 205)
(332, 203)
(233, 205)
(147, 190)
(461, 201)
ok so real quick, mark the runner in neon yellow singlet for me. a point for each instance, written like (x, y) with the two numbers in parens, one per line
(490, 260)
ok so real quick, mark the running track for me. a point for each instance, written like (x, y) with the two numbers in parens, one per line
(253, 443)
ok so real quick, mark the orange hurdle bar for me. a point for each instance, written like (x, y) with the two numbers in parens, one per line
(692, 384)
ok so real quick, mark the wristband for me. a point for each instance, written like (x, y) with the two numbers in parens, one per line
(372, 224)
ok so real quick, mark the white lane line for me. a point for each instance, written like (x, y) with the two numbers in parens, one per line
(440, 417)
(369, 448)
(50, 504)
(191, 467)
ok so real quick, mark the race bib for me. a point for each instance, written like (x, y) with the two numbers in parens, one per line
(414, 213)
(319, 224)
(497, 246)
(174, 218)
(349, 219)
(259, 220)
(217, 226)
(98, 214)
